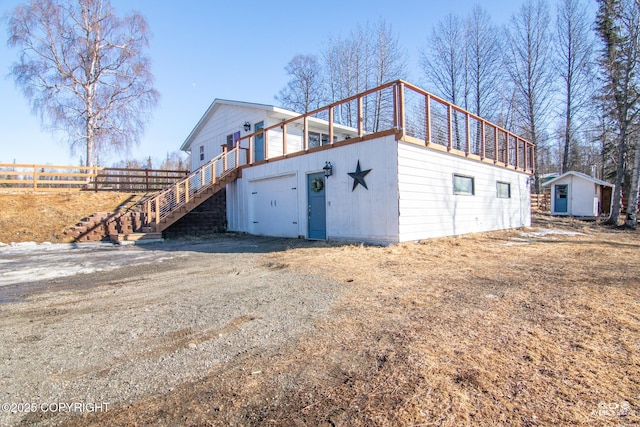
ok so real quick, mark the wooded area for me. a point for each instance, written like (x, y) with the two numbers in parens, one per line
(564, 79)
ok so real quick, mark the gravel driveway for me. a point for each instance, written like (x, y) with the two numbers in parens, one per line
(128, 322)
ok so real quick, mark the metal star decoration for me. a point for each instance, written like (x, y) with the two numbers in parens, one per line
(358, 177)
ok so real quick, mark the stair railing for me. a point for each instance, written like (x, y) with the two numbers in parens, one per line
(159, 206)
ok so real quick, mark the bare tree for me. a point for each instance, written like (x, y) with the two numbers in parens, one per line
(618, 27)
(444, 64)
(84, 70)
(484, 64)
(528, 63)
(390, 63)
(443, 59)
(573, 62)
(343, 59)
(367, 58)
(305, 90)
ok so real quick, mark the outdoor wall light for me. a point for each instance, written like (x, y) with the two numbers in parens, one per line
(328, 169)
(247, 126)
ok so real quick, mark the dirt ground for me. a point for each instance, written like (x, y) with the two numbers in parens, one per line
(525, 327)
(43, 217)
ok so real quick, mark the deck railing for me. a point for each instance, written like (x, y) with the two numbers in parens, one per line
(399, 108)
(160, 205)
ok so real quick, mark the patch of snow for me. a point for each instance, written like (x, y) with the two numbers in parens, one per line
(551, 231)
(33, 262)
(528, 238)
(519, 243)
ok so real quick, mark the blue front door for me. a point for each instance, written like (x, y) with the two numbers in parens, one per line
(317, 209)
(562, 191)
(258, 146)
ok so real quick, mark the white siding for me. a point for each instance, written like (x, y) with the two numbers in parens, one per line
(410, 195)
(428, 207)
(294, 141)
(294, 137)
(361, 215)
(226, 120)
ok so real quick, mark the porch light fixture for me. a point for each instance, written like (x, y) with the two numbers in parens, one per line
(247, 126)
(328, 169)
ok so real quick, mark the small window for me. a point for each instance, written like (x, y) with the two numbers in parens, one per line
(314, 139)
(463, 185)
(201, 152)
(503, 190)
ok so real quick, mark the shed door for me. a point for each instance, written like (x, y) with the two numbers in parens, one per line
(561, 192)
(273, 207)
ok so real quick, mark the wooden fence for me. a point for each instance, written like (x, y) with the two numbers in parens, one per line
(135, 180)
(541, 202)
(51, 178)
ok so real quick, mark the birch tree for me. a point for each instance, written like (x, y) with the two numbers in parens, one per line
(84, 70)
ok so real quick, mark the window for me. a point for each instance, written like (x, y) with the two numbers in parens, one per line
(201, 152)
(463, 185)
(503, 190)
(314, 139)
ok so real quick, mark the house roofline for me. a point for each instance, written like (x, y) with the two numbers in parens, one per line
(186, 145)
(580, 175)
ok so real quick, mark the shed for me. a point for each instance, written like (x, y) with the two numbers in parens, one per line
(580, 195)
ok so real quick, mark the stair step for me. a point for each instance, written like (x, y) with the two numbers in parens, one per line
(136, 238)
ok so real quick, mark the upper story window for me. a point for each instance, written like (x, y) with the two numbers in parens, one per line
(316, 139)
(201, 152)
(232, 139)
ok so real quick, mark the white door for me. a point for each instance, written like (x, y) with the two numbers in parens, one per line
(273, 206)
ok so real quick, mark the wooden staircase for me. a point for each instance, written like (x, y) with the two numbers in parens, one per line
(164, 208)
(196, 200)
(110, 225)
(143, 219)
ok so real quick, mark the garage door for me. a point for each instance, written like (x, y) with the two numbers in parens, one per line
(273, 206)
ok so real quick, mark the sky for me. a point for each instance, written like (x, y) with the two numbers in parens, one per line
(203, 50)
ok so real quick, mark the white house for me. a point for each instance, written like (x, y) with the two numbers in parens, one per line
(225, 122)
(418, 167)
(580, 195)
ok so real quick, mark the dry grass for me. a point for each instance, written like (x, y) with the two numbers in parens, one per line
(43, 217)
(480, 330)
